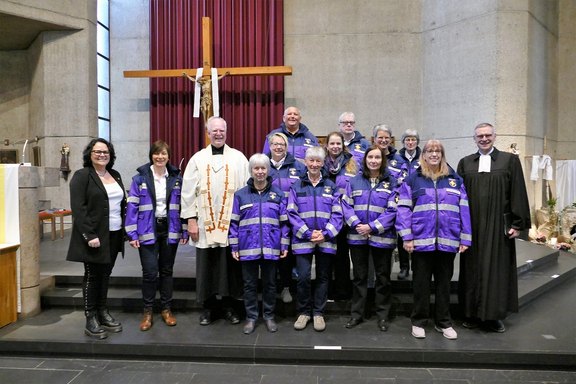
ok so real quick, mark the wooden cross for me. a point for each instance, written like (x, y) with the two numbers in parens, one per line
(207, 61)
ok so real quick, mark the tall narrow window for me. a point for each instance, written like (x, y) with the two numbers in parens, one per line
(103, 68)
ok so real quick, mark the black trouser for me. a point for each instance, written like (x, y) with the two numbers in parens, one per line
(341, 285)
(425, 265)
(403, 256)
(97, 277)
(382, 259)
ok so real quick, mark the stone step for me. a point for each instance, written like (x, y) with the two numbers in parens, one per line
(540, 269)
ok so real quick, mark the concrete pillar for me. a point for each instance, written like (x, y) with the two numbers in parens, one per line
(28, 184)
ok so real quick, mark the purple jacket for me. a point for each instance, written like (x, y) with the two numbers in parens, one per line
(396, 165)
(297, 143)
(375, 206)
(413, 165)
(434, 214)
(290, 171)
(357, 147)
(259, 224)
(341, 178)
(314, 208)
(141, 208)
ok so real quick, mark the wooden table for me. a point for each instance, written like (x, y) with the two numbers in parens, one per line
(52, 215)
(8, 293)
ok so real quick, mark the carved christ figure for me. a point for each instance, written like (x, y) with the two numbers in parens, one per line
(206, 93)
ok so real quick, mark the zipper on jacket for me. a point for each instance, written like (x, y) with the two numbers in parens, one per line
(437, 213)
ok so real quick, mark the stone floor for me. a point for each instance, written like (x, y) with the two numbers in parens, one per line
(539, 346)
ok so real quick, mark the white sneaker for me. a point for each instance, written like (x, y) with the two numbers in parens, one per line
(418, 332)
(319, 324)
(301, 322)
(286, 296)
(448, 333)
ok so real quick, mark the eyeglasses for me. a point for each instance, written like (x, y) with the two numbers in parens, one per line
(277, 145)
(483, 136)
(101, 153)
(347, 122)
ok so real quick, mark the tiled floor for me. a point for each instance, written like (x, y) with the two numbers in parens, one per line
(76, 371)
(543, 331)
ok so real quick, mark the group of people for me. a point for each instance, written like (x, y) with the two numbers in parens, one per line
(299, 209)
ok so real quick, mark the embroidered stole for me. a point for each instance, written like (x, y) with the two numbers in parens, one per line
(217, 186)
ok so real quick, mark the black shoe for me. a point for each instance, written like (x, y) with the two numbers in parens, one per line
(271, 325)
(495, 326)
(354, 321)
(93, 328)
(471, 323)
(206, 318)
(383, 325)
(403, 274)
(108, 322)
(249, 327)
(232, 317)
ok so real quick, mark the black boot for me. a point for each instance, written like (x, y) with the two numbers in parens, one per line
(93, 328)
(108, 322)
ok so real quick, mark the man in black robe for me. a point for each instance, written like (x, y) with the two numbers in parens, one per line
(499, 209)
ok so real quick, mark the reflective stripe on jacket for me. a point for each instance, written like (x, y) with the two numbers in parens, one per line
(314, 208)
(141, 207)
(435, 214)
(259, 224)
(290, 171)
(376, 207)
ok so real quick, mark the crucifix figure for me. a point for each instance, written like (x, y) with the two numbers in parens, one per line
(206, 78)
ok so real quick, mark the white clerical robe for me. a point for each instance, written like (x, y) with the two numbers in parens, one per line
(208, 188)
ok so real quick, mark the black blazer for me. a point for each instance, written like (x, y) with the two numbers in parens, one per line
(90, 213)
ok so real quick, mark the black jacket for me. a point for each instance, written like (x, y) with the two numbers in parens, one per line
(90, 210)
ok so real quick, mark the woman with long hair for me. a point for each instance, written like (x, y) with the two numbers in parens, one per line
(369, 207)
(434, 222)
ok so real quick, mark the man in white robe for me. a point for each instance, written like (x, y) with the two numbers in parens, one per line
(210, 180)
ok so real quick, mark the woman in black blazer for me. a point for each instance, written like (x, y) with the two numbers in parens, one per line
(98, 202)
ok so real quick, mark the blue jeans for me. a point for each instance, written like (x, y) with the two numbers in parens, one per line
(250, 276)
(309, 303)
(157, 265)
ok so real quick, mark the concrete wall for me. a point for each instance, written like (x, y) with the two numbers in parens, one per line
(14, 99)
(130, 97)
(360, 56)
(566, 146)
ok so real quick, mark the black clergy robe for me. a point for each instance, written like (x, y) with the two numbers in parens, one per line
(488, 282)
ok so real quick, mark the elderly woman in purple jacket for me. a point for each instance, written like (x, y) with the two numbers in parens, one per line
(284, 170)
(369, 206)
(154, 227)
(258, 238)
(315, 214)
(434, 222)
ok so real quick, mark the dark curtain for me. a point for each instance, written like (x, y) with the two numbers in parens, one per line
(246, 33)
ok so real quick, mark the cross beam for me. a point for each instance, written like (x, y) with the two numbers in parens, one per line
(207, 64)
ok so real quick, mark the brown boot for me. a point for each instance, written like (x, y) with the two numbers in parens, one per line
(168, 317)
(146, 322)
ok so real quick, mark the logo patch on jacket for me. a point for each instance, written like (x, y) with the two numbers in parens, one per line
(452, 183)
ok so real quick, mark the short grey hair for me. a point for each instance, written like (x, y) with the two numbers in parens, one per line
(212, 120)
(317, 152)
(411, 133)
(258, 159)
(344, 114)
(381, 127)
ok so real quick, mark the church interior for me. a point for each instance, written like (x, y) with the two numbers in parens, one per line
(437, 66)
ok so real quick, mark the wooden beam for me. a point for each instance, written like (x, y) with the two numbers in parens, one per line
(234, 71)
